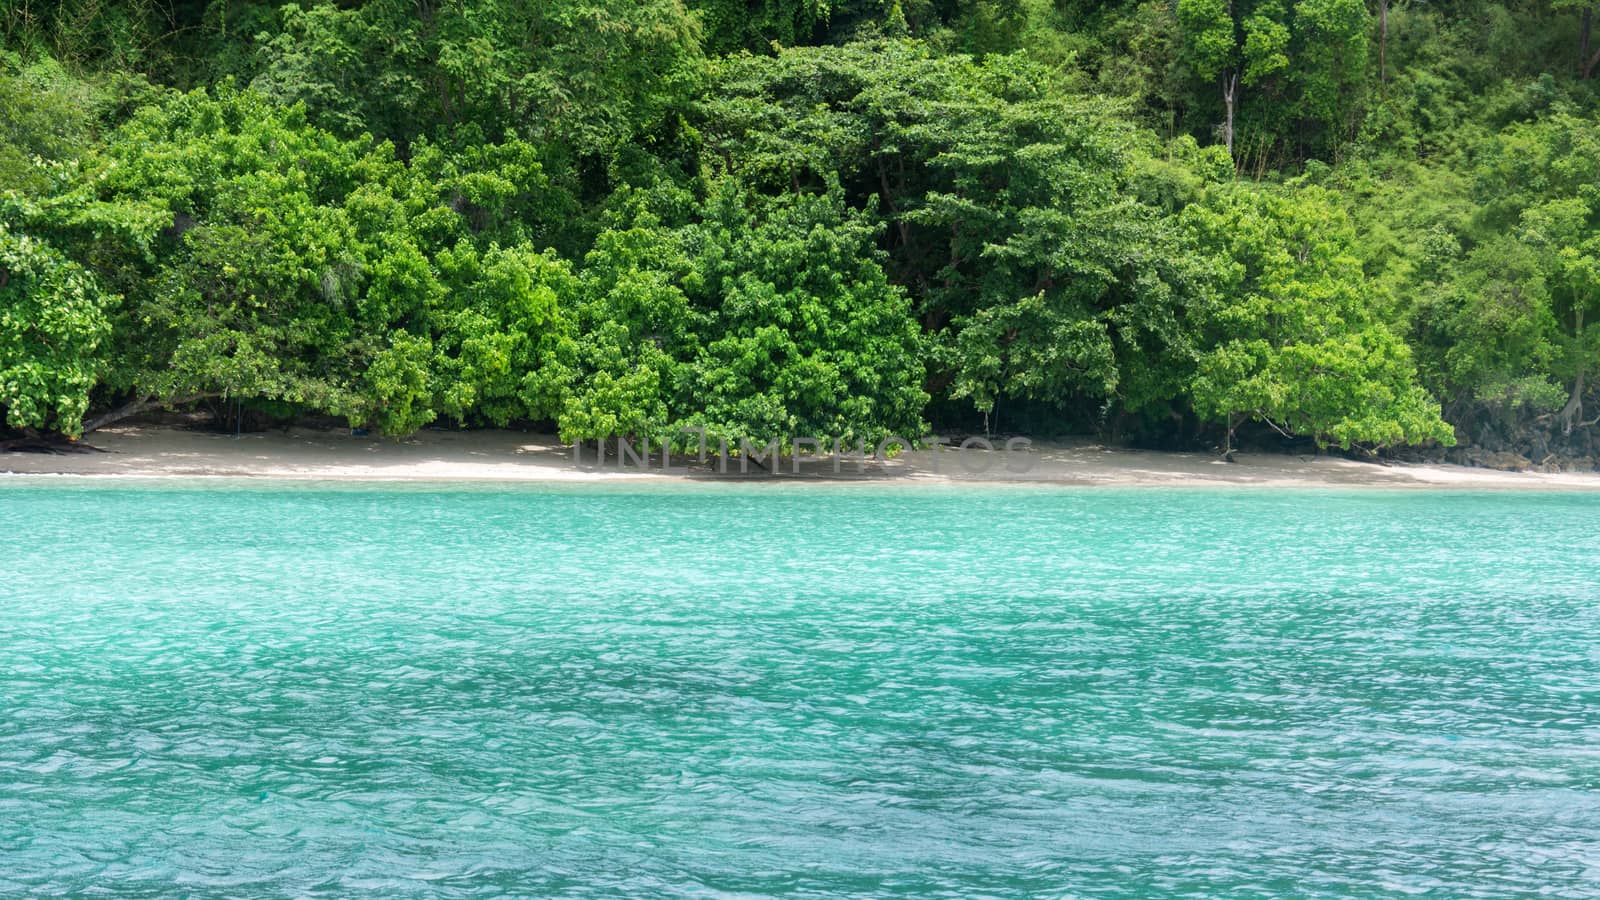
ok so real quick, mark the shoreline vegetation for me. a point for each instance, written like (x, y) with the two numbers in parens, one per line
(1189, 225)
(140, 451)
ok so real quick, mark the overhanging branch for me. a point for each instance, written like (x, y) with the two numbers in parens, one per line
(145, 404)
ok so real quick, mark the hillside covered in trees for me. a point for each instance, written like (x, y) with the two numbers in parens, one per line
(1169, 223)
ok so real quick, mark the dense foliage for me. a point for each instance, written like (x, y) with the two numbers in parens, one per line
(1178, 223)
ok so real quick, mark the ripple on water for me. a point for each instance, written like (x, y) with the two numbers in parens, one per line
(956, 692)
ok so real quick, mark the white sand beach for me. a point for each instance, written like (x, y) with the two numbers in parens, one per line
(439, 455)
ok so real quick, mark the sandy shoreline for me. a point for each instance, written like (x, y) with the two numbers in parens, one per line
(156, 451)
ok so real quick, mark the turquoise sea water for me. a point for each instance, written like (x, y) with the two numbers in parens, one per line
(752, 689)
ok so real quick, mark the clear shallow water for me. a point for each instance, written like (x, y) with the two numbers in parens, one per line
(754, 689)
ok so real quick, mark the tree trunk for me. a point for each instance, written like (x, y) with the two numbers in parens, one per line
(135, 407)
(1586, 61)
(1574, 408)
(1230, 87)
(1383, 41)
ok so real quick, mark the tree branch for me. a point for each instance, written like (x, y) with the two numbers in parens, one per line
(134, 407)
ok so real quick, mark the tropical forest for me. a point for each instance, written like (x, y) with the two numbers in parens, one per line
(1357, 226)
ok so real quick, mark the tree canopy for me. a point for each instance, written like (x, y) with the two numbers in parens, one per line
(1189, 223)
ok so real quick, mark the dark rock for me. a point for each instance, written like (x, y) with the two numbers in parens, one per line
(1507, 461)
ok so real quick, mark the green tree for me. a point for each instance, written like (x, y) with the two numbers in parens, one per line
(266, 260)
(1295, 344)
(48, 121)
(1011, 210)
(758, 318)
(754, 25)
(1493, 327)
(1588, 56)
(1552, 170)
(582, 74)
(1512, 320)
(1306, 60)
(53, 330)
